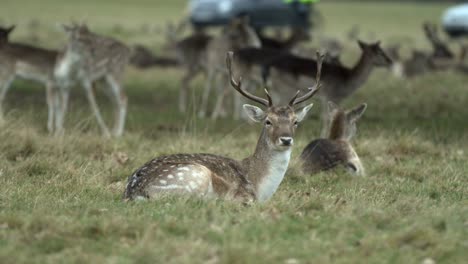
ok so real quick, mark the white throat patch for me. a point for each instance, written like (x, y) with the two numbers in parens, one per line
(277, 168)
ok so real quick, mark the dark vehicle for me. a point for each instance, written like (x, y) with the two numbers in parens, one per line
(262, 13)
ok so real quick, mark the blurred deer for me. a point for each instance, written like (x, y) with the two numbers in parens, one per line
(203, 53)
(255, 178)
(340, 82)
(89, 57)
(19, 60)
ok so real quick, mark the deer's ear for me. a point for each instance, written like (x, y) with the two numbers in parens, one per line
(254, 113)
(361, 44)
(357, 112)
(301, 114)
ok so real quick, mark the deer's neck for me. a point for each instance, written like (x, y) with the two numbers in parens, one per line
(360, 72)
(266, 167)
(337, 127)
(66, 64)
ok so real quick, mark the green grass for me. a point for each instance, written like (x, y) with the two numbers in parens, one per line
(60, 199)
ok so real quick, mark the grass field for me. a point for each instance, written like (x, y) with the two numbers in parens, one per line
(60, 198)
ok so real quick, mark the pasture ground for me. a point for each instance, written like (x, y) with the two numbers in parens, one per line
(60, 198)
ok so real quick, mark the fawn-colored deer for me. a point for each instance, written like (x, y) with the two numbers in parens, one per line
(335, 150)
(27, 62)
(90, 57)
(254, 178)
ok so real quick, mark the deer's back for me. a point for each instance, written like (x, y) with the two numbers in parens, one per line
(28, 62)
(29, 54)
(101, 55)
(324, 154)
(226, 173)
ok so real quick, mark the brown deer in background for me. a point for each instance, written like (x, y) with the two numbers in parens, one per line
(336, 149)
(88, 58)
(340, 82)
(254, 178)
(297, 35)
(32, 63)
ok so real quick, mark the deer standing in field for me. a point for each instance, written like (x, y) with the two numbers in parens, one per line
(336, 149)
(89, 57)
(201, 52)
(254, 178)
(340, 82)
(27, 62)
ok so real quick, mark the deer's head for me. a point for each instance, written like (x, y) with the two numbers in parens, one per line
(279, 122)
(241, 34)
(343, 123)
(375, 53)
(4, 33)
(77, 35)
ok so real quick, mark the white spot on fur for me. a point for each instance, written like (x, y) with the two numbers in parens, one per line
(168, 187)
(183, 168)
(140, 198)
(277, 168)
(193, 185)
(170, 176)
(162, 181)
(180, 174)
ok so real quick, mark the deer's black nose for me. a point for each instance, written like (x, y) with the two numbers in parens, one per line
(286, 141)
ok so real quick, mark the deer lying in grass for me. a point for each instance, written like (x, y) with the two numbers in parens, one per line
(27, 62)
(340, 82)
(201, 52)
(88, 58)
(254, 178)
(336, 149)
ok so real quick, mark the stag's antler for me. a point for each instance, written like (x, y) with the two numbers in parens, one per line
(314, 89)
(238, 85)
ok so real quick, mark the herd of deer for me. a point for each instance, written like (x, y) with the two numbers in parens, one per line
(89, 58)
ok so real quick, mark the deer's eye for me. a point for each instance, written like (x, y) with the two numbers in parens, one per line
(268, 122)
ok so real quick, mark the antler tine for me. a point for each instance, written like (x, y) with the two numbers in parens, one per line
(314, 89)
(270, 101)
(238, 85)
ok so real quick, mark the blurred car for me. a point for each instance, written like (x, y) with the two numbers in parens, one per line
(455, 20)
(262, 13)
